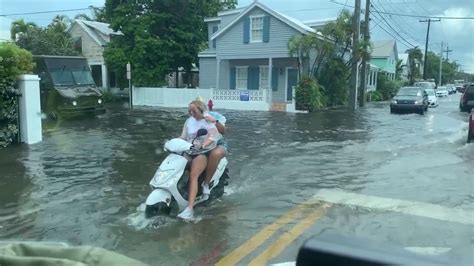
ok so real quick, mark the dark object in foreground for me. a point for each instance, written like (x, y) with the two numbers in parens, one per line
(337, 250)
(466, 103)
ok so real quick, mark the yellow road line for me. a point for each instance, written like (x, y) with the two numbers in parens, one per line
(251, 244)
(277, 247)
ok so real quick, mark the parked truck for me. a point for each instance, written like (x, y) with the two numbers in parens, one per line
(67, 88)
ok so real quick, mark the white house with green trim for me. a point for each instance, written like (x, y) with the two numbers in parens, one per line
(385, 56)
(248, 56)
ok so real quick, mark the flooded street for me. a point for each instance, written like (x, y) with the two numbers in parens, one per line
(85, 184)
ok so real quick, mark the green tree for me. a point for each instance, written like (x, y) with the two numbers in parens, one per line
(321, 56)
(158, 36)
(52, 40)
(14, 62)
(399, 69)
(98, 14)
(20, 27)
(414, 60)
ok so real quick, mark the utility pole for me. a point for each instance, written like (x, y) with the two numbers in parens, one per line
(355, 57)
(363, 72)
(426, 45)
(440, 64)
(447, 51)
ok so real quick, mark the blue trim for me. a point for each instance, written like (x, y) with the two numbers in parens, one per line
(266, 29)
(275, 72)
(232, 78)
(246, 29)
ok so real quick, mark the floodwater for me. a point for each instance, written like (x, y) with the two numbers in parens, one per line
(85, 184)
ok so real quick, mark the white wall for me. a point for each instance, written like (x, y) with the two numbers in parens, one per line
(167, 97)
(172, 97)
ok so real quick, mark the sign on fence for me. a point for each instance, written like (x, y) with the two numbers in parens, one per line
(244, 96)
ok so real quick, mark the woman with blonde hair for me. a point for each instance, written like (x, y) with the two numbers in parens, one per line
(195, 122)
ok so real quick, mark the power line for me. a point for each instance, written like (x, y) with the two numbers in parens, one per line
(421, 16)
(407, 15)
(402, 30)
(44, 12)
(390, 26)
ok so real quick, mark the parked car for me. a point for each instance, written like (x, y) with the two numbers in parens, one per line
(460, 88)
(432, 99)
(411, 99)
(470, 132)
(67, 87)
(441, 91)
(466, 104)
(451, 88)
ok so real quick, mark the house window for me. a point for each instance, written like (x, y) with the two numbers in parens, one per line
(78, 44)
(256, 29)
(241, 77)
(263, 77)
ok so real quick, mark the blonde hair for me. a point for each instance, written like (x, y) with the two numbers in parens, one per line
(199, 98)
(200, 105)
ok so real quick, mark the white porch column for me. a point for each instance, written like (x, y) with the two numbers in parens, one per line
(30, 109)
(270, 78)
(218, 73)
(105, 77)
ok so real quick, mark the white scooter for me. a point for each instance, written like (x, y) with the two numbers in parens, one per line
(170, 182)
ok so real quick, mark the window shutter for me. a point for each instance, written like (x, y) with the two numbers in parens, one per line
(275, 72)
(232, 78)
(214, 29)
(266, 28)
(253, 78)
(246, 29)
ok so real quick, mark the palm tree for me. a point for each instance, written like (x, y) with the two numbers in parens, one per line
(60, 23)
(20, 27)
(414, 56)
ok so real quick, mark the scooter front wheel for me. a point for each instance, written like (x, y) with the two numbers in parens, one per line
(159, 208)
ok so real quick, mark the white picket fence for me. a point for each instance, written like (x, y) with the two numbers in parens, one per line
(257, 100)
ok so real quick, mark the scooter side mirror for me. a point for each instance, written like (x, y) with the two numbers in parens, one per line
(201, 132)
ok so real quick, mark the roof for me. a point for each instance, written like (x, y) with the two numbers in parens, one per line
(292, 22)
(93, 27)
(404, 58)
(383, 48)
(319, 22)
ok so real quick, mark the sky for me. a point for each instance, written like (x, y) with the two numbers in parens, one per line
(408, 31)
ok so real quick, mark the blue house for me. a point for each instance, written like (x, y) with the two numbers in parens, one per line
(248, 53)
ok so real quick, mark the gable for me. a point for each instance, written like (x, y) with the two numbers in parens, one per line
(259, 7)
(383, 49)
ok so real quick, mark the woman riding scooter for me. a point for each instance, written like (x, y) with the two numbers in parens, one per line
(195, 122)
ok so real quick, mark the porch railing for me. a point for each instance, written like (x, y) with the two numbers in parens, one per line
(235, 95)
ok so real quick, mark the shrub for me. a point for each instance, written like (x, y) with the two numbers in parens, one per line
(308, 95)
(387, 88)
(14, 61)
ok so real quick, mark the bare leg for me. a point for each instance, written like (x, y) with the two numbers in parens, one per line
(214, 158)
(197, 167)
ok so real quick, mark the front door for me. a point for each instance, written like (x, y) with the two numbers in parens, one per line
(291, 82)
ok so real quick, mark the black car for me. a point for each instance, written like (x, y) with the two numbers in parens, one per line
(67, 87)
(467, 100)
(410, 99)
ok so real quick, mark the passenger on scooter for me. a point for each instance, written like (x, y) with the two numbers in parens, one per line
(199, 163)
(217, 153)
